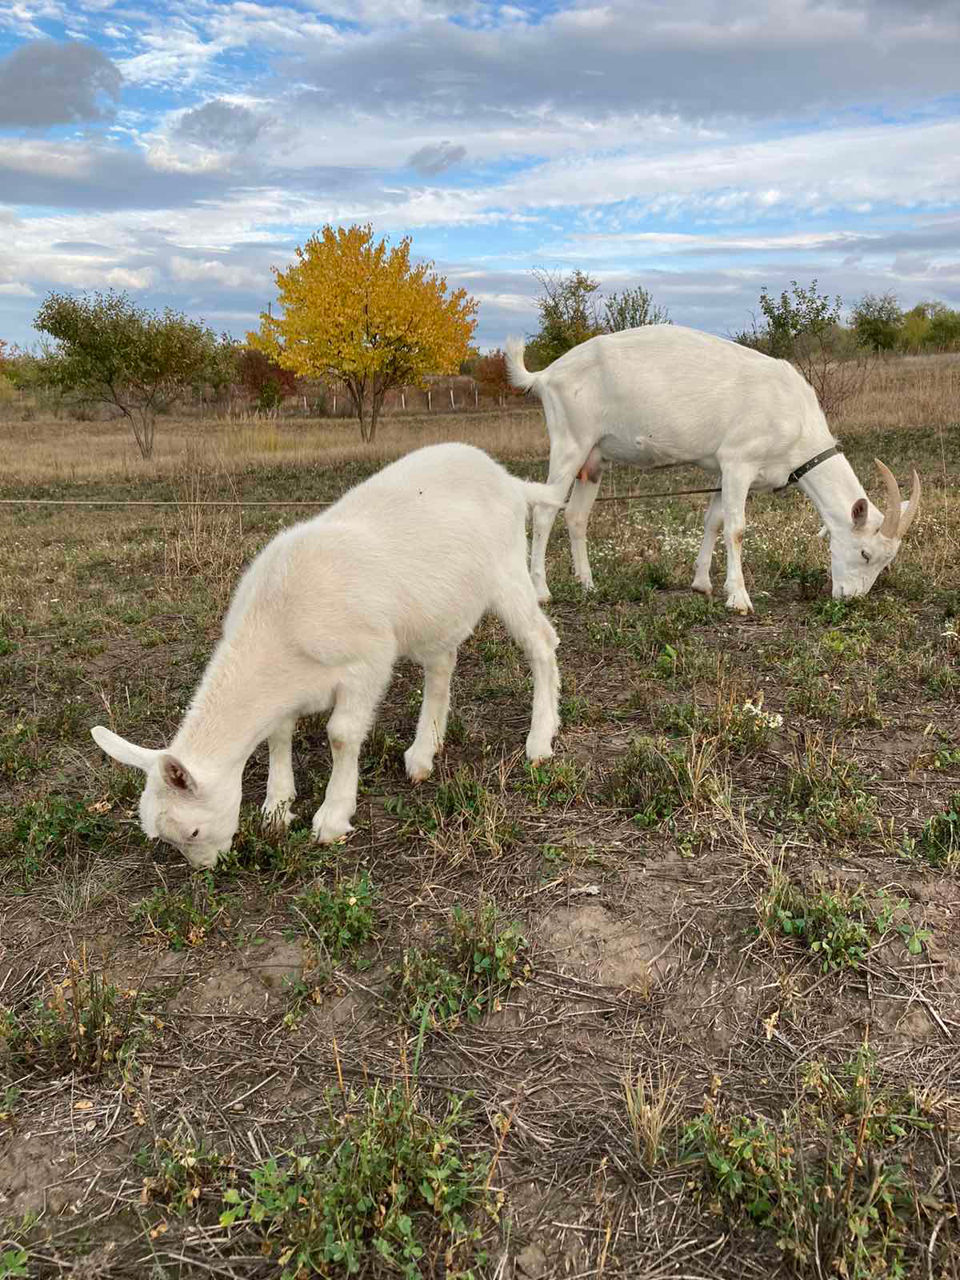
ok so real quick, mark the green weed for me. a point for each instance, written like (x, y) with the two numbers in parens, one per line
(836, 925)
(381, 1181)
(84, 1025)
(477, 960)
(185, 918)
(657, 778)
(737, 726)
(20, 751)
(823, 791)
(553, 782)
(463, 816)
(43, 834)
(938, 843)
(261, 848)
(821, 1181)
(339, 920)
(177, 1170)
(13, 1264)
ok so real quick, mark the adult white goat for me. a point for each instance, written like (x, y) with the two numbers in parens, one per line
(404, 565)
(664, 395)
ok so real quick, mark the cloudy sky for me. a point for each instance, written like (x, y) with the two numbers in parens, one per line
(702, 147)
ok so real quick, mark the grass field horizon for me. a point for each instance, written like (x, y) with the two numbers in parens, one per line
(683, 1001)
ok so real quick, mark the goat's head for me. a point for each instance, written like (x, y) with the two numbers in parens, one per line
(873, 540)
(198, 817)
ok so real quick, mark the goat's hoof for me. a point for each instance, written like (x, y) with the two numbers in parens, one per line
(537, 751)
(704, 588)
(739, 602)
(418, 767)
(277, 813)
(329, 830)
(543, 592)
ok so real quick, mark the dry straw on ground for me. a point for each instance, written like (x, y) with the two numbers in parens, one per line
(703, 1017)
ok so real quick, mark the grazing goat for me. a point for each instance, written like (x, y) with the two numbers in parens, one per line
(404, 565)
(664, 395)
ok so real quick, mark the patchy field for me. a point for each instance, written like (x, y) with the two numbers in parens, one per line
(683, 1002)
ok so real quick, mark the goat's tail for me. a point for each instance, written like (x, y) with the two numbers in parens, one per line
(520, 375)
(545, 495)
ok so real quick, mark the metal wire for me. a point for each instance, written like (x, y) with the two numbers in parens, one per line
(293, 502)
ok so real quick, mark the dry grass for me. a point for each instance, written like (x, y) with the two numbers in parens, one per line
(51, 449)
(653, 1004)
(906, 393)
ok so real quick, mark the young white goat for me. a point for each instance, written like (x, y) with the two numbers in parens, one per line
(664, 395)
(404, 565)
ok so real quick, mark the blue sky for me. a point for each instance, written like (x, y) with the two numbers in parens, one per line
(704, 148)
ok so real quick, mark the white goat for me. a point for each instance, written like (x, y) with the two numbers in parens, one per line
(404, 565)
(664, 395)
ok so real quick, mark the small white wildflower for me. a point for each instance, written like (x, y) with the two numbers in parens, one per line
(765, 719)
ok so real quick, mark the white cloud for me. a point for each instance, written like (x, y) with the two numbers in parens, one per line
(230, 275)
(24, 17)
(124, 278)
(175, 56)
(834, 168)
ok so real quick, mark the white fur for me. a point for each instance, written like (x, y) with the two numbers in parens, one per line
(664, 395)
(404, 565)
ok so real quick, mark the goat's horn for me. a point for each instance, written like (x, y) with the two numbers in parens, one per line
(906, 518)
(891, 514)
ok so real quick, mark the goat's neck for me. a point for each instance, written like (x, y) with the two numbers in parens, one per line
(833, 488)
(233, 710)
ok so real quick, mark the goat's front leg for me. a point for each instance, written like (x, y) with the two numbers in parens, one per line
(735, 487)
(712, 523)
(349, 724)
(281, 787)
(432, 723)
(577, 513)
(517, 608)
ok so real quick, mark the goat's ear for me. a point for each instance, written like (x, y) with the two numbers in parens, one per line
(858, 513)
(177, 775)
(121, 750)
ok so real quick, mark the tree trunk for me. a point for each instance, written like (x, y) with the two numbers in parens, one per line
(358, 395)
(143, 422)
(375, 407)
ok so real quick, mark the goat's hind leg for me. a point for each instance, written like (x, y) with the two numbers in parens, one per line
(281, 786)
(712, 523)
(432, 723)
(576, 514)
(564, 460)
(517, 608)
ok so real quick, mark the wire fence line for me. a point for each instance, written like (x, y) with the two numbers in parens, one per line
(292, 502)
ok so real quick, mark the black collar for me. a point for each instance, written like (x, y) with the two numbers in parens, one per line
(815, 461)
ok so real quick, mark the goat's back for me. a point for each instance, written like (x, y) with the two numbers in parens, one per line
(689, 392)
(417, 551)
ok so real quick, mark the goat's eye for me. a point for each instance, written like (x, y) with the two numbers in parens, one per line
(866, 556)
(194, 833)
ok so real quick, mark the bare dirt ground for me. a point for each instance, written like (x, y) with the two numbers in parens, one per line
(700, 1002)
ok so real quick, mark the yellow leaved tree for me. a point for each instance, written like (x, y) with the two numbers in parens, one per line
(357, 310)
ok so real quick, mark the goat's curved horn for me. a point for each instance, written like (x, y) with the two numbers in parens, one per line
(891, 513)
(910, 510)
